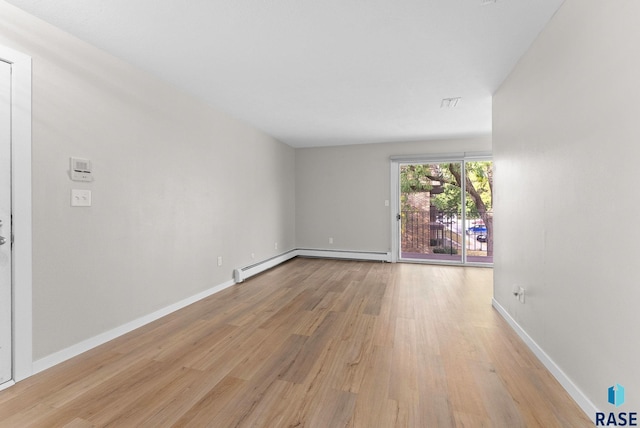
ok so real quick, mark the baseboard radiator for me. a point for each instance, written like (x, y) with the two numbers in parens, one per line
(346, 254)
(241, 274)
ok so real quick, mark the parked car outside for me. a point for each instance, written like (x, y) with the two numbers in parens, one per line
(478, 228)
(481, 238)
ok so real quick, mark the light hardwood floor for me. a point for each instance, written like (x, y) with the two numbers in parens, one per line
(311, 343)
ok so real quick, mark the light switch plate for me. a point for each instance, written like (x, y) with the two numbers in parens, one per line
(80, 198)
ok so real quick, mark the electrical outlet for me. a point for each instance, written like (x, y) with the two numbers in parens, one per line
(330, 240)
(276, 246)
(253, 255)
(219, 260)
(518, 293)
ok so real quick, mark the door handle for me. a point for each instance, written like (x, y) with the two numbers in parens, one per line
(3, 240)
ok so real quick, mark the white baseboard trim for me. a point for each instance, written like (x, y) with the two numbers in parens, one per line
(6, 384)
(578, 396)
(345, 254)
(85, 345)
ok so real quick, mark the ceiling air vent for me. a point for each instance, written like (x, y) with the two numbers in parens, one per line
(450, 102)
(486, 2)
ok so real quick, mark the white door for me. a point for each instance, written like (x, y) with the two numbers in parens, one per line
(5, 225)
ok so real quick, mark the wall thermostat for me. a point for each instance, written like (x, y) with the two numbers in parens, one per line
(81, 169)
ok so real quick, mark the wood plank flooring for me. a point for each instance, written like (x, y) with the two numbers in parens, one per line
(311, 343)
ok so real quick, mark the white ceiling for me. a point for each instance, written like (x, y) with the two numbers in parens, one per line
(323, 72)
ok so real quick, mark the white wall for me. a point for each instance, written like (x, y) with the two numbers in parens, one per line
(565, 143)
(340, 191)
(177, 183)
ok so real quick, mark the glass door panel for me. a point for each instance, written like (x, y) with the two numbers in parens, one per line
(431, 212)
(479, 211)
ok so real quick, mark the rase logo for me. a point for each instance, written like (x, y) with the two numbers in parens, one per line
(615, 396)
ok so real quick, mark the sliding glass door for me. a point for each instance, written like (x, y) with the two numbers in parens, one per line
(445, 211)
(479, 211)
(430, 202)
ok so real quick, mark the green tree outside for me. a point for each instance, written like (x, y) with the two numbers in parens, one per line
(478, 185)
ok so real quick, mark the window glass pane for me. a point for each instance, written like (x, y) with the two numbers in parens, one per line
(431, 207)
(479, 211)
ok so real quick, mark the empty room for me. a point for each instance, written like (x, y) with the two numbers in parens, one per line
(321, 214)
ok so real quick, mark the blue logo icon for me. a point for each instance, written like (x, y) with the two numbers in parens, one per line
(616, 395)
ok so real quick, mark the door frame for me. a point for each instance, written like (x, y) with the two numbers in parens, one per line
(22, 331)
(396, 162)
